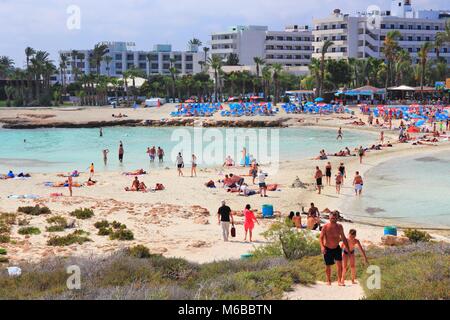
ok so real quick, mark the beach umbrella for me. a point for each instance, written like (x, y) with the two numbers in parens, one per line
(420, 123)
(319, 99)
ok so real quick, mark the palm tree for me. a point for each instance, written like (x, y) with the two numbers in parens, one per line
(173, 72)
(215, 62)
(277, 68)
(108, 60)
(74, 55)
(259, 62)
(194, 44)
(6, 66)
(402, 63)
(326, 45)
(100, 50)
(267, 77)
(232, 78)
(390, 51)
(442, 38)
(423, 56)
(232, 59)
(314, 68)
(206, 50)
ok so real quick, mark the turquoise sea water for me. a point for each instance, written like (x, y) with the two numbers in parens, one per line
(63, 150)
(412, 191)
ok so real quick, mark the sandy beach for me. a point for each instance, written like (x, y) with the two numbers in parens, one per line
(181, 221)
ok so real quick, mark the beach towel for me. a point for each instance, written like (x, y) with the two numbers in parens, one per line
(25, 196)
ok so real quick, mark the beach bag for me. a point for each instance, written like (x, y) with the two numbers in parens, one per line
(233, 232)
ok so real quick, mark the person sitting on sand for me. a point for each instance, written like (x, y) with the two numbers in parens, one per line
(237, 180)
(349, 256)
(297, 220)
(313, 218)
(142, 187)
(229, 162)
(134, 185)
(332, 234)
(90, 182)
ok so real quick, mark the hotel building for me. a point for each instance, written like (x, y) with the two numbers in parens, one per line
(123, 58)
(363, 35)
(290, 48)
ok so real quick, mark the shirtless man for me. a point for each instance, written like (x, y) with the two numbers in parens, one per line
(332, 234)
(340, 134)
(358, 183)
(105, 156)
(70, 184)
(319, 177)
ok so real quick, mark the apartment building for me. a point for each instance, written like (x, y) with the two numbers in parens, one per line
(363, 35)
(122, 58)
(290, 48)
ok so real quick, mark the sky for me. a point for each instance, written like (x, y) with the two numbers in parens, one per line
(52, 25)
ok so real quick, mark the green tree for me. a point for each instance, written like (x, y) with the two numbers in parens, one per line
(215, 62)
(232, 60)
(390, 50)
(100, 50)
(423, 56)
(326, 45)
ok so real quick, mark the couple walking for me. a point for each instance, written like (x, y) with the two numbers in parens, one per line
(225, 219)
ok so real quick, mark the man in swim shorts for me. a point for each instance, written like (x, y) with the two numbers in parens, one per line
(332, 234)
(319, 176)
(358, 183)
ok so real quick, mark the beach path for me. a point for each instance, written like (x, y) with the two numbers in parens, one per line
(321, 291)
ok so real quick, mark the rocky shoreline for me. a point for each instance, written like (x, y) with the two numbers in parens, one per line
(21, 124)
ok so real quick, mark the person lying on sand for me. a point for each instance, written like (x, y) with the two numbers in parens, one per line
(135, 173)
(90, 183)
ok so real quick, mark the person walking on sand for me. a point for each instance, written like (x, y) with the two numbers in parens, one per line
(224, 217)
(105, 156)
(349, 256)
(361, 153)
(339, 182)
(343, 172)
(249, 223)
(358, 183)
(340, 134)
(180, 164)
(382, 137)
(70, 184)
(328, 173)
(244, 157)
(91, 171)
(194, 166)
(330, 237)
(262, 183)
(319, 176)
(121, 152)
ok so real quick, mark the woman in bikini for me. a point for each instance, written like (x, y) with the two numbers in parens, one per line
(350, 256)
(328, 169)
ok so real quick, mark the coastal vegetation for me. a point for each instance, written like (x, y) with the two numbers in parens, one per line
(82, 214)
(419, 271)
(76, 237)
(34, 211)
(29, 231)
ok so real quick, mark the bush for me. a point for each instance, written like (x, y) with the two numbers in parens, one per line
(73, 238)
(3, 252)
(105, 231)
(122, 235)
(288, 242)
(4, 228)
(8, 218)
(4, 238)
(4, 260)
(118, 225)
(140, 252)
(34, 211)
(82, 214)
(101, 224)
(417, 236)
(29, 231)
(59, 224)
(23, 222)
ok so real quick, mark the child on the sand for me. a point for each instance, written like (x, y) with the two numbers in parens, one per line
(350, 256)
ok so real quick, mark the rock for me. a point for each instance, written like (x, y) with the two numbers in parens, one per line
(198, 244)
(395, 241)
(71, 224)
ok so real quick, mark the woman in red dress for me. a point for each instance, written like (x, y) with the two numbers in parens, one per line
(250, 220)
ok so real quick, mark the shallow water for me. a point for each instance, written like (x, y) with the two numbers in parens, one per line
(411, 191)
(62, 150)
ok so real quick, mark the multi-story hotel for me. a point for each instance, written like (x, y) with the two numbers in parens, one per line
(363, 35)
(157, 61)
(290, 48)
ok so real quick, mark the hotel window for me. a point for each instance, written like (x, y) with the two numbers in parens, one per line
(333, 26)
(419, 27)
(166, 66)
(189, 66)
(333, 38)
(288, 38)
(419, 38)
(383, 26)
(392, 26)
(299, 39)
(402, 27)
(307, 56)
(280, 38)
(343, 38)
(343, 26)
(189, 58)
(142, 57)
(317, 27)
(427, 28)
(177, 58)
(343, 49)
(427, 39)
(317, 39)
(298, 48)
(410, 50)
(288, 47)
(178, 66)
(142, 65)
(445, 50)
(410, 38)
(130, 57)
(410, 27)
(154, 57)
(298, 57)
(118, 57)
(166, 57)
(155, 66)
(333, 49)
(325, 27)
(118, 65)
(130, 65)
(436, 28)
